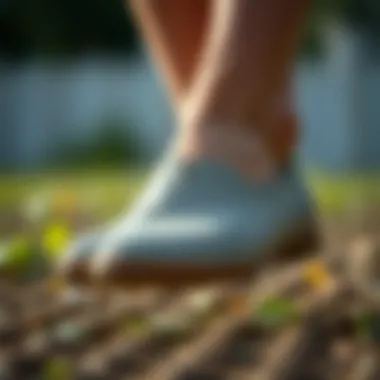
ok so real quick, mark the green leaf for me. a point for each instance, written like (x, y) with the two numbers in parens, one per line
(363, 324)
(368, 326)
(16, 255)
(138, 327)
(58, 369)
(276, 313)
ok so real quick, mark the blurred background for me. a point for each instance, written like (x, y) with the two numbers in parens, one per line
(77, 88)
(83, 114)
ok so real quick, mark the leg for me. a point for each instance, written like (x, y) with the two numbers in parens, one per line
(177, 45)
(175, 41)
(246, 67)
(174, 31)
(201, 219)
(251, 50)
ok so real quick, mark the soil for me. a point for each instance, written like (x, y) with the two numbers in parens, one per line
(50, 331)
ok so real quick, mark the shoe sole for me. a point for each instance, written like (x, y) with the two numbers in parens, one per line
(296, 246)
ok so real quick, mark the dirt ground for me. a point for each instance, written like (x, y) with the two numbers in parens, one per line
(331, 329)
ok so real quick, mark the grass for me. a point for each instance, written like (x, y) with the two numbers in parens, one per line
(112, 189)
(107, 189)
(340, 193)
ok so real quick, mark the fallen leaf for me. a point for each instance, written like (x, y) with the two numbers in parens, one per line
(317, 276)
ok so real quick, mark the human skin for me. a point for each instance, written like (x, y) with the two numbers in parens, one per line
(227, 66)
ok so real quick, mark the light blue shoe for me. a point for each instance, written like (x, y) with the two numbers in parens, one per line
(203, 222)
(76, 259)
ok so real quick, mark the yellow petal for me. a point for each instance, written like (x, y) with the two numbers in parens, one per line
(317, 275)
(56, 239)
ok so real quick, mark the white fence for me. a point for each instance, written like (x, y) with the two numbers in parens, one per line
(42, 104)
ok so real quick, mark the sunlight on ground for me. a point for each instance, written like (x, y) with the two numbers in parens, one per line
(40, 215)
(342, 193)
(108, 191)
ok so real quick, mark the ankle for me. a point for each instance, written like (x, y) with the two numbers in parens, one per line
(242, 148)
(256, 152)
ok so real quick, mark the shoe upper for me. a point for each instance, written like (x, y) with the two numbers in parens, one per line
(205, 212)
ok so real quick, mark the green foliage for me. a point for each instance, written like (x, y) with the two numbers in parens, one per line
(16, 255)
(58, 368)
(311, 47)
(362, 14)
(113, 145)
(276, 313)
(71, 27)
(368, 326)
(65, 27)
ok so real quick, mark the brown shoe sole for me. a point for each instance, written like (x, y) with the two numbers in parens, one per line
(296, 246)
